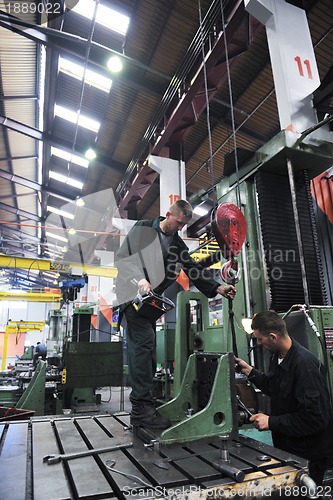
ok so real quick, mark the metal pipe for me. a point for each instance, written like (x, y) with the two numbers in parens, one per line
(304, 480)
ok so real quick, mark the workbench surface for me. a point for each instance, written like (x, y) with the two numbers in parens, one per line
(139, 471)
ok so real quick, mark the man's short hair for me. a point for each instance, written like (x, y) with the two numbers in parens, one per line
(182, 206)
(267, 322)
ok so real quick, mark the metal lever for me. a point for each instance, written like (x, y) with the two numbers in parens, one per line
(54, 459)
(242, 405)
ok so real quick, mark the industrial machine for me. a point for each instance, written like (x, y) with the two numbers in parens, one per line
(276, 262)
(74, 367)
(279, 268)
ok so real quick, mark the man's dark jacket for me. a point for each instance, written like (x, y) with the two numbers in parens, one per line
(132, 263)
(300, 403)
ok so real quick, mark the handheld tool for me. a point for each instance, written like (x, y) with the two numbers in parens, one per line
(242, 405)
(152, 305)
(54, 459)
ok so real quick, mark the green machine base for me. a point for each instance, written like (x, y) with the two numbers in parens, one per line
(33, 397)
(206, 401)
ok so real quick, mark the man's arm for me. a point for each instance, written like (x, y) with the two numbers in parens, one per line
(201, 277)
(259, 379)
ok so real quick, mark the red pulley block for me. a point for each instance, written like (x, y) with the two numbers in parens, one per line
(229, 227)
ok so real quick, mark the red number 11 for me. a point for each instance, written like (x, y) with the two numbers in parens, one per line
(307, 65)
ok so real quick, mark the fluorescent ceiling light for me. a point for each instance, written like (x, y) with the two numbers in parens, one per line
(53, 254)
(66, 180)
(75, 117)
(56, 246)
(56, 236)
(200, 211)
(57, 211)
(105, 16)
(90, 77)
(69, 157)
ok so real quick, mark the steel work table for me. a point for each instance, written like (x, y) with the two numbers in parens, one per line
(165, 471)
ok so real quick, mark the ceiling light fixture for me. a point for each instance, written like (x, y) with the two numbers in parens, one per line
(64, 155)
(56, 236)
(79, 202)
(75, 117)
(105, 16)
(57, 211)
(53, 255)
(90, 77)
(115, 64)
(90, 154)
(65, 180)
(71, 231)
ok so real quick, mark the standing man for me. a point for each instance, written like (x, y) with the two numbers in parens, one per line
(40, 351)
(300, 400)
(150, 259)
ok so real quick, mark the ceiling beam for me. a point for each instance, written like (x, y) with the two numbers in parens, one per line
(18, 211)
(33, 185)
(36, 134)
(179, 123)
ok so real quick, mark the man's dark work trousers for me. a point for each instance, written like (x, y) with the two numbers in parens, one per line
(141, 356)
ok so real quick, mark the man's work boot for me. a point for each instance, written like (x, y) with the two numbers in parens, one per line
(147, 416)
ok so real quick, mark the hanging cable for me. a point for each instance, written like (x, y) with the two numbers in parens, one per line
(211, 166)
(231, 105)
(221, 146)
(89, 43)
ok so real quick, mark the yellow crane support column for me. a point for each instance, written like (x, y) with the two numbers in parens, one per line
(16, 327)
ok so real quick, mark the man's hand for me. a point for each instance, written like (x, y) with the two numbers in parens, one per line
(260, 421)
(144, 287)
(228, 291)
(244, 367)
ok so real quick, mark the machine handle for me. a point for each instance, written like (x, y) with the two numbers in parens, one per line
(230, 471)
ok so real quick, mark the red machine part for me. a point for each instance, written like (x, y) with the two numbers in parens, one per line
(229, 227)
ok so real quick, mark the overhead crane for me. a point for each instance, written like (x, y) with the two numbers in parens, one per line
(56, 266)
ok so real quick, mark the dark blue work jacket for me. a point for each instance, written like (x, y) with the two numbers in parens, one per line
(301, 414)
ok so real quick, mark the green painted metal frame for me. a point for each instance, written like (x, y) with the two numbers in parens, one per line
(33, 397)
(190, 339)
(218, 416)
